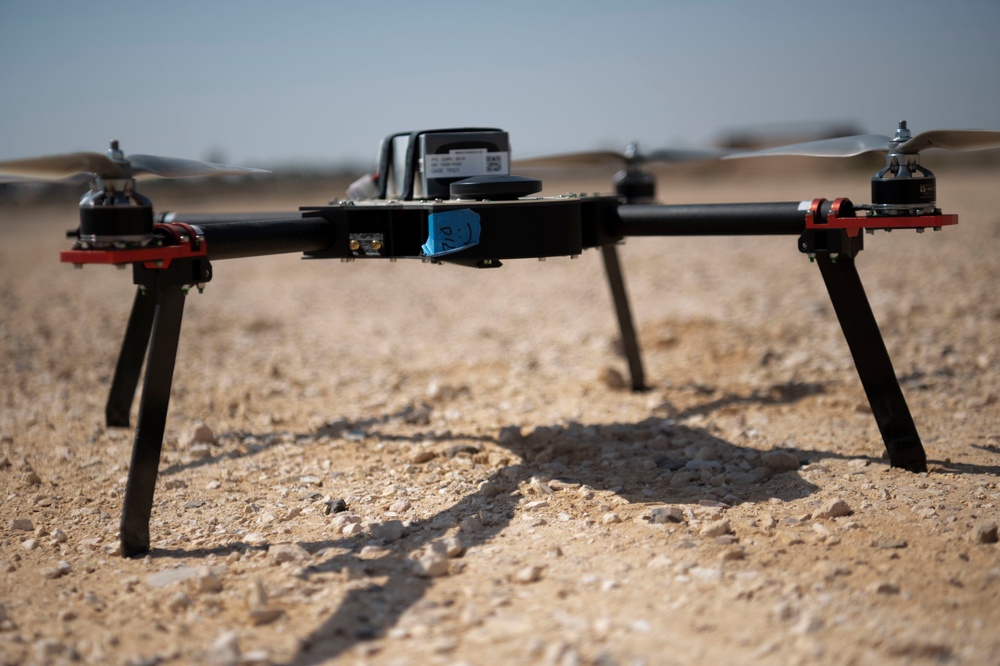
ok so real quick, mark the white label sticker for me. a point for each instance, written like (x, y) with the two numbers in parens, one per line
(466, 163)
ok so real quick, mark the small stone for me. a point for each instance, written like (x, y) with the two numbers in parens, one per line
(891, 544)
(215, 484)
(259, 616)
(344, 518)
(352, 529)
(22, 525)
(780, 461)
(509, 435)
(611, 518)
(471, 523)
(421, 457)
(885, 588)
(63, 568)
(431, 564)
(261, 612)
(401, 505)
(288, 552)
(207, 581)
(32, 478)
(29, 544)
(58, 536)
(834, 508)
(224, 651)
(986, 533)
(716, 528)
(529, 574)
(666, 514)
(255, 539)
(179, 602)
(613, 379)
(336, 506)
(452, 546)
(200, 451)
(540, 486)
(390, 530)
(200, 434)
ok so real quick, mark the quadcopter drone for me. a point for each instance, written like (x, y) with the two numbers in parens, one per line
(450, 198)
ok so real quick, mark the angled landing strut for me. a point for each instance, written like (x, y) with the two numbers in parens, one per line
(156, 319)
(872, 362)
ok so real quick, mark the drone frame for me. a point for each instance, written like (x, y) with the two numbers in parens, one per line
(182, 250)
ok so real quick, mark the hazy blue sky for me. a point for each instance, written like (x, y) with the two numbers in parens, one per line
(266, 82)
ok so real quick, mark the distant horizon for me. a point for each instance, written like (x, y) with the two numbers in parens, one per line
(322, 83)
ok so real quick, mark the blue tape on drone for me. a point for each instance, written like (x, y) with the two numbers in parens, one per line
(450, 232)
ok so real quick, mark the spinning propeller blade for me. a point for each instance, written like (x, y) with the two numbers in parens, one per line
(952, 140)
(111, 165)
(631, 156)
(153, 166)
(59, 167)
(903, 143)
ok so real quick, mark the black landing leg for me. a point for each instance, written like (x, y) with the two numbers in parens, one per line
(629, 340)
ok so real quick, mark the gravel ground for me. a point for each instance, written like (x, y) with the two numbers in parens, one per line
(401, 463)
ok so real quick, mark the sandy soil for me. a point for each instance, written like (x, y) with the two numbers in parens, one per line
(504, 499)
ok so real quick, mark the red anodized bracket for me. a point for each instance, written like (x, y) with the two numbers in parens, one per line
(190, 244)
(854, 224)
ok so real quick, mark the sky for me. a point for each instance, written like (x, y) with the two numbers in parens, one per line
(269, 83)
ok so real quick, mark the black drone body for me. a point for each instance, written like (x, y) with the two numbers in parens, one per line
(454, 200)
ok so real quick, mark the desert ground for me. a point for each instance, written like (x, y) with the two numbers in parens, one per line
(404, 463)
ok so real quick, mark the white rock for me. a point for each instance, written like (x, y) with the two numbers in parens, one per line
(529, 574)
(255, 539)
(834, 508)
(401, 505)
(431, 564)
(344, 518)
(452, 546)
(716, 528)
(352, 529)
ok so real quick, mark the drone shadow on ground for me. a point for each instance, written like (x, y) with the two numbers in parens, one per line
(634, 461)
(630, 461)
